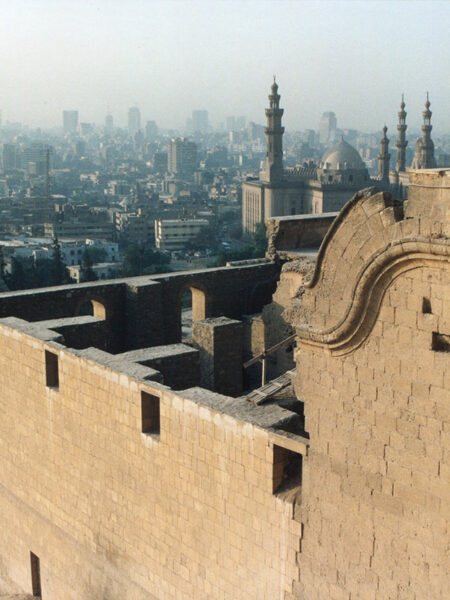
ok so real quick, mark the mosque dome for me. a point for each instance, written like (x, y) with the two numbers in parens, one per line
(341, 157)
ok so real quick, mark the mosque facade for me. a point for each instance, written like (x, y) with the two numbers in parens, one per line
(326, 186)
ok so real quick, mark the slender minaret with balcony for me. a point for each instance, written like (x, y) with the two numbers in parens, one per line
(384, 157)
(424, 151)
(273, 170)
(401, 138)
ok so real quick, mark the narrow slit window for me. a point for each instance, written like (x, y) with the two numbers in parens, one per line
(426, 306)
(35, 575)
(150, 413)
(51, 369)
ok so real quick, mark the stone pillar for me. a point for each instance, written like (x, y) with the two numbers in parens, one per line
(219, 341)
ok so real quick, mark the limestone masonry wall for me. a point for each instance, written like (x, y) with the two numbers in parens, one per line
(188, 512)
(379, 422)
(373, 371)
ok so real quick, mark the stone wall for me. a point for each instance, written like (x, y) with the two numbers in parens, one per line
(297, 232)
(187, 511)
(219, 342)
(143, 311)
(373, 372)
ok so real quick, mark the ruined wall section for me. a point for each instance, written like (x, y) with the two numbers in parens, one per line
(146, 311)
(186, 511)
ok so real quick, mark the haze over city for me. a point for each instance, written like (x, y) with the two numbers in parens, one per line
(168, 58)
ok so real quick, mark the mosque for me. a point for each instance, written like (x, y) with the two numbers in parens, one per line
(326, 186)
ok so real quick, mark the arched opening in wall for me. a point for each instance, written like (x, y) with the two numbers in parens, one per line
(92, 308)
(193, 308)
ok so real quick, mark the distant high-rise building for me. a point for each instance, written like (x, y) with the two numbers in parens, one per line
(9, 157)
(160, 162)
(240, 123)
(327, 128)
(151, 130)
(182, 156)
(34, 158)
(200, 121)
(134, 120)
(230, 123)
(255, 131)
(70, 120)
(235, 123)
(86, 128)
(109, 123)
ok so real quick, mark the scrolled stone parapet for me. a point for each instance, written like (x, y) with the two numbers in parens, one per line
(369, 244)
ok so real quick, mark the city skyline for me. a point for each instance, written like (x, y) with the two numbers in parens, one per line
(168, 59)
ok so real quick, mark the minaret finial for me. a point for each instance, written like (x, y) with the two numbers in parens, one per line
(274, 79)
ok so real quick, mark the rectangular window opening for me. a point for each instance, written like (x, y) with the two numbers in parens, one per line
(440, 342)
(51, 369)
(426, 306)
(35, 575)
(150, 413)
(287, 470)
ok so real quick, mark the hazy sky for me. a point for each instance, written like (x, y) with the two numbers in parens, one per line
(169, 57)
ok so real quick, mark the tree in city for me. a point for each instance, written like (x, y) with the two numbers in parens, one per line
(58, 271)
(260, 240)
(142, 259)
(87, 272)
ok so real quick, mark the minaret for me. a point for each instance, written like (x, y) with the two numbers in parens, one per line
(428, 160)
(401, 141)
(273, 170)
(384, 157)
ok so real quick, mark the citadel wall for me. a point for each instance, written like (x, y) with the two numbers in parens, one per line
(373, 372)
(187, 510)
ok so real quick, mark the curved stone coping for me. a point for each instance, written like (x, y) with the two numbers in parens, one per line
(336, 224)
(369, 288)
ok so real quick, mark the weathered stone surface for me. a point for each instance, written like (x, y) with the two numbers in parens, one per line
(374, 494)
(220, 343)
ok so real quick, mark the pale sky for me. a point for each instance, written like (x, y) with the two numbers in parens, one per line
(169, 57)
